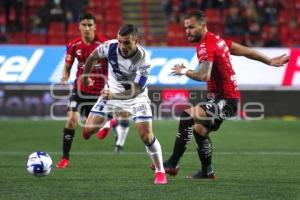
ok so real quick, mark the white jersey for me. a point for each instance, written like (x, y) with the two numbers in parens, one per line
(122, 72)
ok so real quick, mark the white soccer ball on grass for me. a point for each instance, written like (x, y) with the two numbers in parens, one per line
(39, 164)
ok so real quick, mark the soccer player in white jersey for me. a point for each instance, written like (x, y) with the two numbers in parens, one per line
(126, 90)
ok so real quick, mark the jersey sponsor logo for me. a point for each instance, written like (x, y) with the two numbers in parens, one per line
(78, 52)
(221, 44)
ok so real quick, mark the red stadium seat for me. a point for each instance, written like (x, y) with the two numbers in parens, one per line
(289, 4)
(73, 30)
(213, 15)
(284, 29)
(297, 4)
(110, 3)
(284, 16)
(17, 38)
(95, 3)
(111, 30)
(56, 28)
(97, 11)
(298, 16)
(236, 38)
(176, 35)
(100, 27)
(216, 28)
(56, 33)
(113, 17)
(38, 39)
(36, 3)
(113, 6)
(57, 40)
(2, 20)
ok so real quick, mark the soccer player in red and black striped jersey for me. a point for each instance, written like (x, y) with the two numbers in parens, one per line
(83, 97)
(223, 96)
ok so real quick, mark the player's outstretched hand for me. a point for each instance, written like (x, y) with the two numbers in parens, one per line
(106, 94)
(279, 60)
(179, 70)
(64, 81)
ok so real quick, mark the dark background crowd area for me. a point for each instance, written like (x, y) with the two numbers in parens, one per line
(258, 23)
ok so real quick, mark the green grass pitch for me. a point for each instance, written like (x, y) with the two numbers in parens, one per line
(252, 160)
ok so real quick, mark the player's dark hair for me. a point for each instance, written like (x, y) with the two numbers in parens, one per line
(128, 29)
(199, 15)
(87, 16)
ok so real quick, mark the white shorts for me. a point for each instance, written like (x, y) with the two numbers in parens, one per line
(139, 107)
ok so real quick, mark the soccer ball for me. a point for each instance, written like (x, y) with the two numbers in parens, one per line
(39, 164)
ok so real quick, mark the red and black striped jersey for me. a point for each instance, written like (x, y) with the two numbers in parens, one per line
(223, 79)
(81, 51)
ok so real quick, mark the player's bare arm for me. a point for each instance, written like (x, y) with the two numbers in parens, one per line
(203, 74)
(127, 94)
(92, 59)
(240, 50)
(66, 74)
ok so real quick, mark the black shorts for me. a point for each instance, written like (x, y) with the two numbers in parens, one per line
(83, 102)
(217, 110)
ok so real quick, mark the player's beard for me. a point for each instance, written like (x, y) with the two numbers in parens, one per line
(194, 38)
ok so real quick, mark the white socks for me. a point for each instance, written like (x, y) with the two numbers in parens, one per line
(122, 133)
(154, 151)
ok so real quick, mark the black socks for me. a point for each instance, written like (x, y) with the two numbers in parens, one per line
(183, 138)
(204, 152)
(67, 141)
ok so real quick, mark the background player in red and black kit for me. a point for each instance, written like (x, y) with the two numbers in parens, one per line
(83, 97)
(223, 96)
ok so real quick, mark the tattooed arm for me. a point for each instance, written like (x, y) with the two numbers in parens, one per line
(203, 74)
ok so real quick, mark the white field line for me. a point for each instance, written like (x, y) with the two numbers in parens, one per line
(134, 153)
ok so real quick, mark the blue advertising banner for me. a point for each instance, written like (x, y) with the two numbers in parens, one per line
(44, 65)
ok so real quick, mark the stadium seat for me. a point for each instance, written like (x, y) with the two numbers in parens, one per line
(97, 11)
(111, 30)
(297, 4)
(213, 15)
(176, 35)
(110, 3)
(284, 16)
(100, 26)
(17, 38)
(95, 3)
(37, 39)
(289, 4)
(56, 33)
(2, 20)
(298, 16)
(284, 30)
(73, 30)
(216, 28)
(236, 38)
(56, 40)
(36, 3)
(113, 17)
(56, 28)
